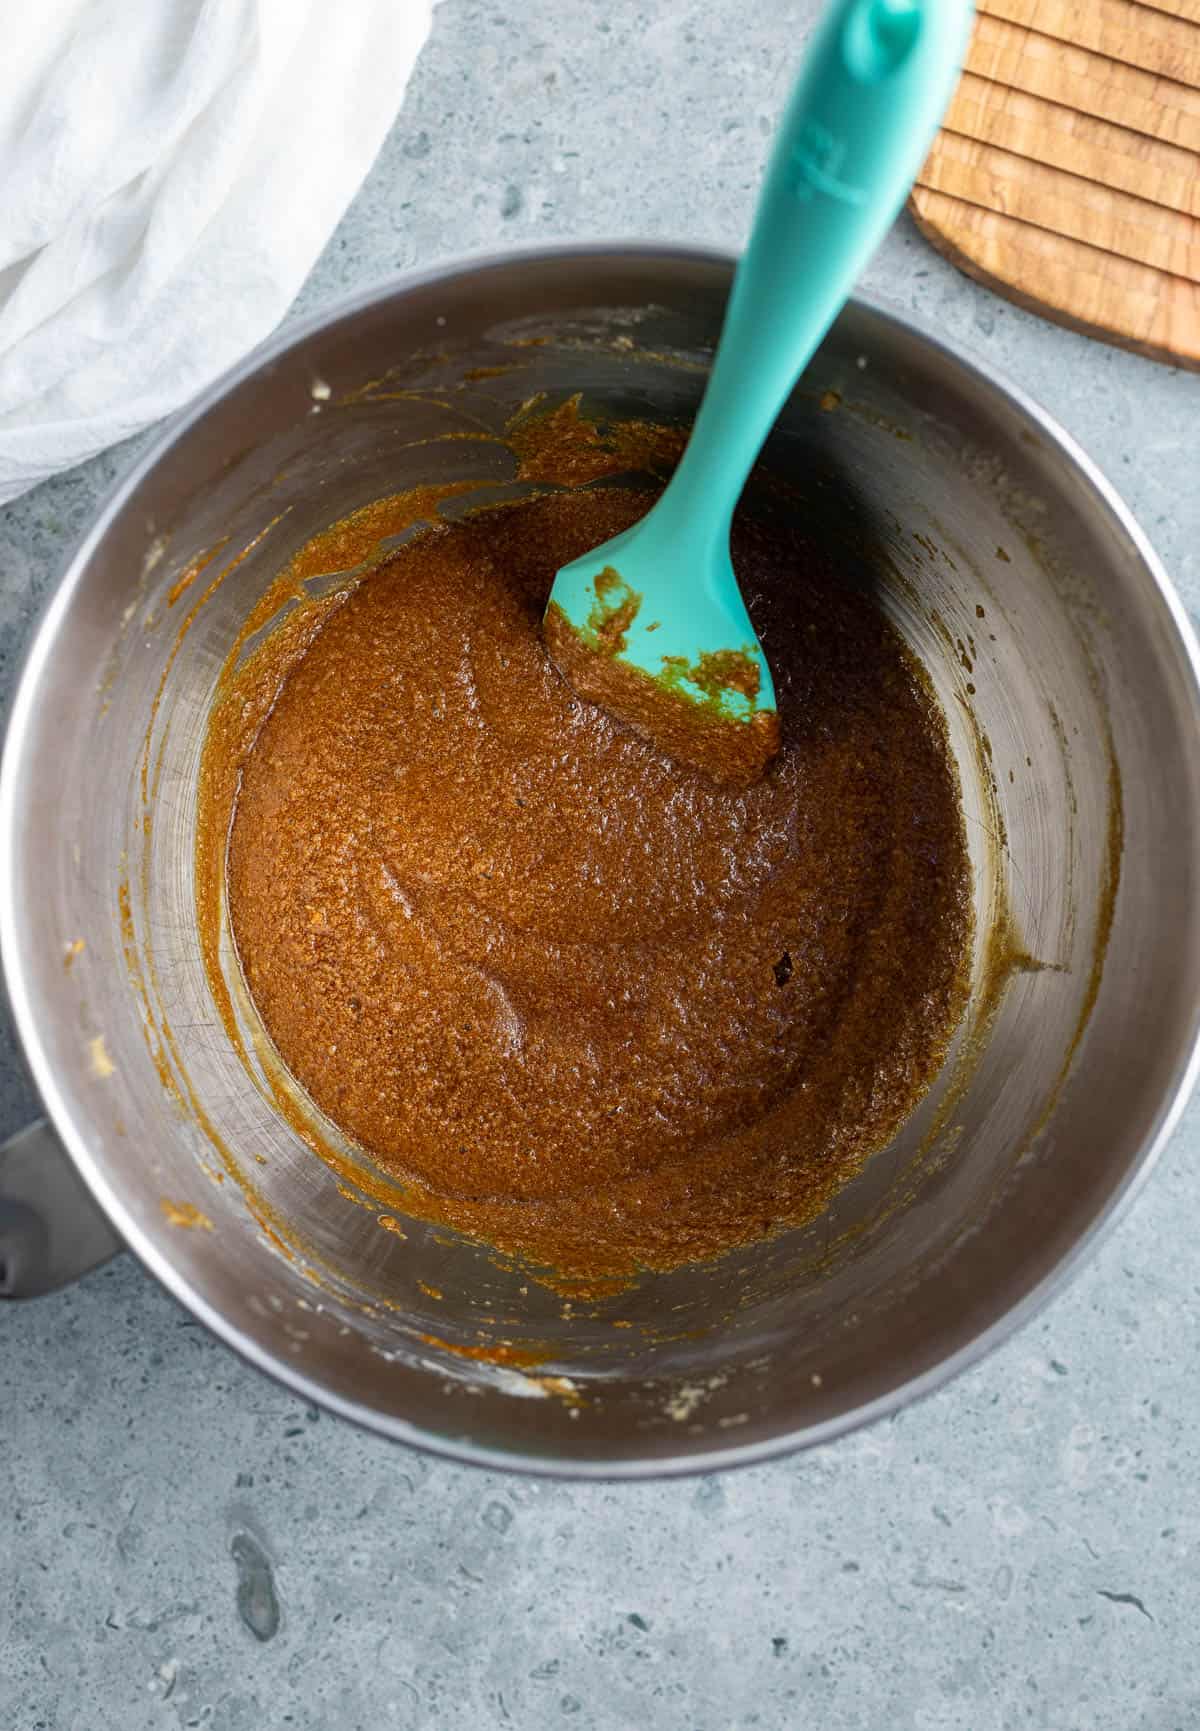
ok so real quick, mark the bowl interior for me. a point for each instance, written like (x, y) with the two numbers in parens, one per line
(1071, 702)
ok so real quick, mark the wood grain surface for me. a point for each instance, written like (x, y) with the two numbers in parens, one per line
(1067, 173)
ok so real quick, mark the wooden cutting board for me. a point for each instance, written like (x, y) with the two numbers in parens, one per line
(1067, 173)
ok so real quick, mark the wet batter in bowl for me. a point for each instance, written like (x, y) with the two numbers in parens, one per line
(587, 1004)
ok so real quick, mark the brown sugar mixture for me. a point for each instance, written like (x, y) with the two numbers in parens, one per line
(584, 1002)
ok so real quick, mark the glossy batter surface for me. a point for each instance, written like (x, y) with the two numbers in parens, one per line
(588, 1004)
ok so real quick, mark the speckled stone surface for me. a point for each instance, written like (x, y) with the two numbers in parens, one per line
(183, 1544)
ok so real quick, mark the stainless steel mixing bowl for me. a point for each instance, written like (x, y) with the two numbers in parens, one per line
(1069, 676)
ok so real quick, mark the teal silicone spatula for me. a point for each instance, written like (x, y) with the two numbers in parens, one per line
(652, 623)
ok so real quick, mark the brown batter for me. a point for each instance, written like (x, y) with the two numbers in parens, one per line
(586, 1003)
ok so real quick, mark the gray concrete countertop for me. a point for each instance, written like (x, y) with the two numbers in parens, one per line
(1020, 1550)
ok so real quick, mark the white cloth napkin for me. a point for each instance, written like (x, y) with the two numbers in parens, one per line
(169, 172)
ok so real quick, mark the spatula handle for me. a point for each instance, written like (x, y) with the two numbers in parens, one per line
(875, 81)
